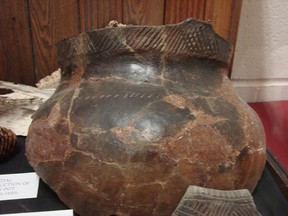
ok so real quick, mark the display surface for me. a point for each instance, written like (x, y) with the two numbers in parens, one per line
(267, 196)
(141, 113)
(46, 199)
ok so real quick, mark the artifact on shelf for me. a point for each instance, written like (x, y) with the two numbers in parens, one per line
(141, 113)
(8, 141)
(204, 201)
(18, 103)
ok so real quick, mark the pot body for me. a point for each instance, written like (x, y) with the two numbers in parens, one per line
(142, 113)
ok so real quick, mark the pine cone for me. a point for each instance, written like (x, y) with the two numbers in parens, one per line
(8, 142)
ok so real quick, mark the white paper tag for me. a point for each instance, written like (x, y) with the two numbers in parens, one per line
(68, 212)
(19, 186)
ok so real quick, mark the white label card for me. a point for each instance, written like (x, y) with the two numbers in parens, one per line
(19, 186)
(68, 212)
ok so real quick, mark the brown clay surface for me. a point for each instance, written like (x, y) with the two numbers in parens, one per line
(142, 113)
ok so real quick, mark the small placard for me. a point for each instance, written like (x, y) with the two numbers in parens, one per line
(68, 212)
(19, 186)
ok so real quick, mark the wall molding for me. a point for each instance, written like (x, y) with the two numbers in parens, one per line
(259, 90)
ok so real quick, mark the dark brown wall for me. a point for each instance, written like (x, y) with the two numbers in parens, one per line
(29, 29)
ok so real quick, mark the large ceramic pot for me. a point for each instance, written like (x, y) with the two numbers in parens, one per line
(141, 113)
